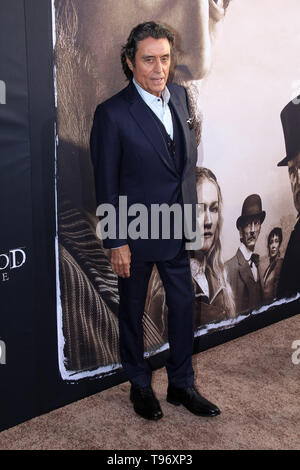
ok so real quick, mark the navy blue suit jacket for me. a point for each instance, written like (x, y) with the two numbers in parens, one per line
(130, 158)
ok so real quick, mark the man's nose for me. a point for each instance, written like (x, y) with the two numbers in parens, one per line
(158, 66)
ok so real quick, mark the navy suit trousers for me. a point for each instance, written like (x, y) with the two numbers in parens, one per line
(177, 281)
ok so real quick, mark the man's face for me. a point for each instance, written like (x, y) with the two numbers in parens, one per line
(249, 232)
(152, 64)
(294, 174)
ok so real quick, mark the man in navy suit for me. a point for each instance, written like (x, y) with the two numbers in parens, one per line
(143, 147)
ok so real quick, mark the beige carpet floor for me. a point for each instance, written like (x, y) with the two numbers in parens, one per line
(252, 379)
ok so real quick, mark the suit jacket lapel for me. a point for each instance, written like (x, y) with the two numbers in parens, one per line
(178, 109)
(143, 116)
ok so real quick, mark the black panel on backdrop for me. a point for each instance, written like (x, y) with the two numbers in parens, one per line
(17, 368)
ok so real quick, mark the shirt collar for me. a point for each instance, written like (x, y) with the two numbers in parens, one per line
(148, 97)
(246, 253)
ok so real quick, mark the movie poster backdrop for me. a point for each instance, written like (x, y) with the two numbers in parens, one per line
(237, 61)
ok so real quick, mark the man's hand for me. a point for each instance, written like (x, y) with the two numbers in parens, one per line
(120, 260)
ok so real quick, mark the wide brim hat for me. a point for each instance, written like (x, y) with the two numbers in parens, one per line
(252, 207)
(290, 120)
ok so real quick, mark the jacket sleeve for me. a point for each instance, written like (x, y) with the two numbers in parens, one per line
(106, 154)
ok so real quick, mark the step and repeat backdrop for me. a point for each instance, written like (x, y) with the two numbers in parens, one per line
(59, 298)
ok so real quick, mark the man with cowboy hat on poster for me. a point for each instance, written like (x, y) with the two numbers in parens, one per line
(242, 269)
(289, 281)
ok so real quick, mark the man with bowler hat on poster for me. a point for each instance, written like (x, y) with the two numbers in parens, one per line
(143, 147)
(289, 280)
(243, 268)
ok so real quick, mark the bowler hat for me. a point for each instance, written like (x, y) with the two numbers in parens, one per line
(251, 208)
(290, 119)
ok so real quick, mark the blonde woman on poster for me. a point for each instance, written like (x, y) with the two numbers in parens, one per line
(213, 295)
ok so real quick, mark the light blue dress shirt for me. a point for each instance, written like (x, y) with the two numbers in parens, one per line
(159, 106)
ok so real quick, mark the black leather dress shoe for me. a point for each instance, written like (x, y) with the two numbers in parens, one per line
(192, 400)
(145, 403)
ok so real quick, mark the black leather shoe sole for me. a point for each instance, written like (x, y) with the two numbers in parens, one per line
(205, 413)
(152, 417)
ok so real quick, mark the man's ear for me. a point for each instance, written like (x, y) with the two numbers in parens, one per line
(129, 63)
